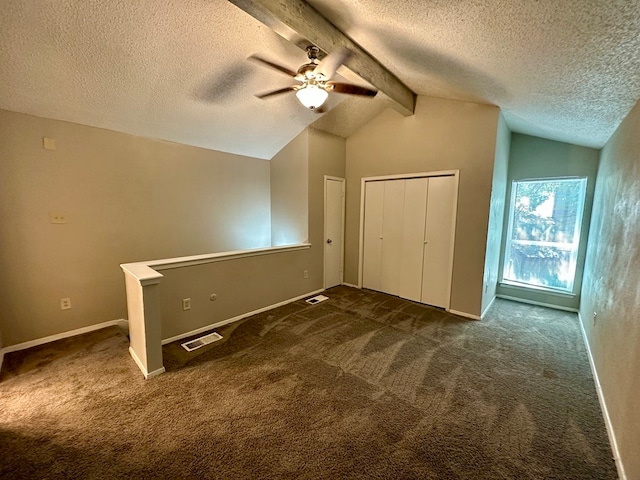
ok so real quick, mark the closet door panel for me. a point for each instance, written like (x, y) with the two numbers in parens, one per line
(438, 247)
(393, 206)
(413, 234)
(372, 245)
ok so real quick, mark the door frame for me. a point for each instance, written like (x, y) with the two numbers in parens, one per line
(406, 176)
(324, 239)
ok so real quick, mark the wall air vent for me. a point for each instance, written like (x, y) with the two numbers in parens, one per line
(192, 345)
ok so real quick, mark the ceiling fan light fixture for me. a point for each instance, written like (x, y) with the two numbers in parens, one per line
(315, 78)
(312, 96)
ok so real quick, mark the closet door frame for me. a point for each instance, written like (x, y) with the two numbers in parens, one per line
(406, 176)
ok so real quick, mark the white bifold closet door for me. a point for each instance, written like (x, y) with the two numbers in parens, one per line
(391, 236)
(408, 238)
(372, 249)
(438, 245)
(413, 221)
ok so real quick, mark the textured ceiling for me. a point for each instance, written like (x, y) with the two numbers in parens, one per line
(567, 70)
(177, 69)
(174, 70)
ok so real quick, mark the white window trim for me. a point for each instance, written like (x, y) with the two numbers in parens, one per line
(577, 229)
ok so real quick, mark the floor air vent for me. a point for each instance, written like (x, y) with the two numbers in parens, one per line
(192, 345)
(316, 299)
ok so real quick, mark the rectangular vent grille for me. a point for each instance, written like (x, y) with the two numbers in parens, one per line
(192, 345)
(316, 299)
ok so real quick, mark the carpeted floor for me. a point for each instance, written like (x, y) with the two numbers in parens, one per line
(363, 385)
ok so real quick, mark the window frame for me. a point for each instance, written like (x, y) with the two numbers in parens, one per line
(576, 244)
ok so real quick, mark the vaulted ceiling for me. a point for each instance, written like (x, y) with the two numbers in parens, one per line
(177, 69)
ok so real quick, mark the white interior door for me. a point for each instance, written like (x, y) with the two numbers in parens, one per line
(413, 221)
(438, 245)
(333, 231)
(372, 235)
(392, 209)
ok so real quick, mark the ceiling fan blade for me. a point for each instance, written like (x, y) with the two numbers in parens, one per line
(329, 64)
(351, 89)
(275, 66)
(276, 92)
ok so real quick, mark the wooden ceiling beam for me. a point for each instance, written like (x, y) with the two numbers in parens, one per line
(294, 18)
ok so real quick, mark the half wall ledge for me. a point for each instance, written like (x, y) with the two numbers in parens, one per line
(142, 281)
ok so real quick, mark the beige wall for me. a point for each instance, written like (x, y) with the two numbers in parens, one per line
(496, 213)
(241, 285)
(290, 191)
(248, 284)
(534, 157)
(326, 157)
(126, 199)
(442, 135)
(611, 286)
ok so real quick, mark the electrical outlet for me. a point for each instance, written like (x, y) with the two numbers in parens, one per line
(186, 304)
(65, 303)
(58, 218)
(305, 274)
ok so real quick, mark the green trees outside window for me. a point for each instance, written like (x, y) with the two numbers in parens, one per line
(544, 232)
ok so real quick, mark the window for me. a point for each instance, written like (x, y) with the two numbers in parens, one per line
(544, 233)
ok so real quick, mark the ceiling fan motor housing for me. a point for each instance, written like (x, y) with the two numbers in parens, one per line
(306, 72)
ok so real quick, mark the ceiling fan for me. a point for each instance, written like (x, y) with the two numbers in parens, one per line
(315, 78)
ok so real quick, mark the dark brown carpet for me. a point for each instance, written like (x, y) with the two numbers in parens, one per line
(364, 385)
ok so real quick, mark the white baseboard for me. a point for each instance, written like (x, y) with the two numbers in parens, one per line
(147, 375)
(350, 285)
(60, 336)
(222, 323)
(540, 304)
(138, 361)
(155, 373)
(603, 405)
(488, 307)
(464, 314)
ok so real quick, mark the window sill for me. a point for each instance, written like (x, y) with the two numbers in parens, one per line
(534, 288)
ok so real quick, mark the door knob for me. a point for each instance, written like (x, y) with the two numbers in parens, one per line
(329, 240)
